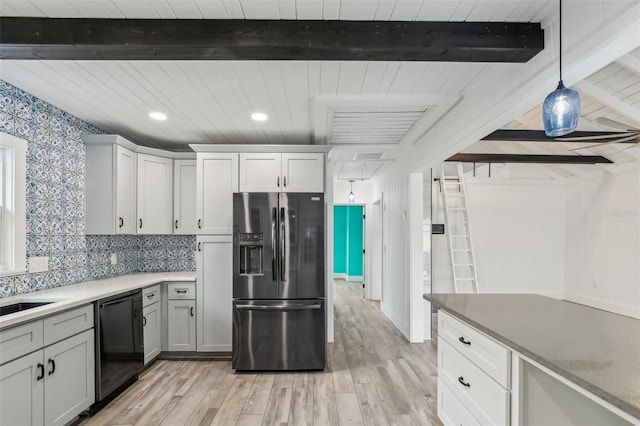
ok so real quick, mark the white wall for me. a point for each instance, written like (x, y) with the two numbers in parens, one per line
(518, 234)
(363, 190)
(603, 241)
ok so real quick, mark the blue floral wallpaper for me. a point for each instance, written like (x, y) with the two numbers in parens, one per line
(56, 205)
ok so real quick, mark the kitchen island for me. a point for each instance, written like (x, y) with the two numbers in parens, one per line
(564, 357)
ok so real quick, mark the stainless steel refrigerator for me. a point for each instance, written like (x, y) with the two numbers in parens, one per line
(279, 319)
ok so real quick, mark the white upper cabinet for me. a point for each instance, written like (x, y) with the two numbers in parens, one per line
(111, 190)
(281, 172)
(125, 190)
(217, 180)
(155, 195)
(302, 172)
(184, 197)
(260, 172)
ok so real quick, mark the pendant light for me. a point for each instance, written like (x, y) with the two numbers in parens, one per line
(351, 197)
(561, 108)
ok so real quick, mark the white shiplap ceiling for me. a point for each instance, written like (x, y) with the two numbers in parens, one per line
(211, 101)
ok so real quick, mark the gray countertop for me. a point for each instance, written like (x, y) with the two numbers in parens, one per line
(596, 349)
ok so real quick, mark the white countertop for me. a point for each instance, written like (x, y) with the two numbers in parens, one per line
(82, 293)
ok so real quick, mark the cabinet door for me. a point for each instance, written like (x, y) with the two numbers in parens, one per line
(21, 393)
(217, 177)
(155, 195)
(214, 292)
(302, 172)
(152, 330)
(184, 197)
(260, 172)
(125, 191)
(181, 325)
(69, 378)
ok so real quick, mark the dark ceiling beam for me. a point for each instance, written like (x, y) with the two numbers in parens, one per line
(527, 158)
(228, 39)
(520, 135)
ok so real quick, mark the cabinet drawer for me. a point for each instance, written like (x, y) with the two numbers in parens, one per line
(489, 355)
(150, 295)
(487, 401)
(18, 341)
(450, 410)
(66, 324)
(181, 291)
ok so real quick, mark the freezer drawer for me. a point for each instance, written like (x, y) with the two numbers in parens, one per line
(279, 335)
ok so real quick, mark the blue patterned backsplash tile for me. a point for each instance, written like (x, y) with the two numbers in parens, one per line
(56, 205)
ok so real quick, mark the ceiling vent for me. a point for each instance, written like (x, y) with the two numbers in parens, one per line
(372, 127)
(380, 121)
(368, 156)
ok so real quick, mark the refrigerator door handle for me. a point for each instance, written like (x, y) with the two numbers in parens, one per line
(283, 250)
(274, 265)
(279, 307)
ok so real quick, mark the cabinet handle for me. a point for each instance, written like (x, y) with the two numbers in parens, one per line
(176, 223)
(192, 311)
(199, 223)
(140, 223)
(144, 321)
(199, 246)
(121, 222)
(284, 179)
(278, 182)
(181, 291)
(150, 295)
(53, 366)
(41, 367)
(463, 383)
(464, 341)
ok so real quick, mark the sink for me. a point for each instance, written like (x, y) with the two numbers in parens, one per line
(21, 306)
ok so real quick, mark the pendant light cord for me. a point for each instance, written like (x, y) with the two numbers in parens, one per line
(560, 32)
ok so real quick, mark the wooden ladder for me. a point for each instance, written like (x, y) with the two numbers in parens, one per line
(456, 217)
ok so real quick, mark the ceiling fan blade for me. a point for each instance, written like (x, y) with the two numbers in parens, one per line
(628, 138)
(615, 124)
(593, 138)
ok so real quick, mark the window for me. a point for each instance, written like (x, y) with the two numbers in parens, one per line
(13, 157)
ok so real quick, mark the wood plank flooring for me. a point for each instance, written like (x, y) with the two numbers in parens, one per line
(373, 377)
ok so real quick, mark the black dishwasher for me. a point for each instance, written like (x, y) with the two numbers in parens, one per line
(119, 343)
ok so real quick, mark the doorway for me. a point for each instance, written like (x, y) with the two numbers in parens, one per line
(348, 241)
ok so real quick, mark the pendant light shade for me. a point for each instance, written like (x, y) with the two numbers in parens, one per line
(351, 197)
(560, 111)
(561, 108)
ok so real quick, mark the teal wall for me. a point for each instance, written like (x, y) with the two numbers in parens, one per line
(347, 240)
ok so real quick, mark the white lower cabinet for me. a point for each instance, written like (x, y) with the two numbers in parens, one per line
(152, 331)
(50, 386)
(22, 391)
(181, 321)
(69, 379)
(214, 289)
(473, 375)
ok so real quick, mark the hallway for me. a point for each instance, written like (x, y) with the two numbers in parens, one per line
(373, 377)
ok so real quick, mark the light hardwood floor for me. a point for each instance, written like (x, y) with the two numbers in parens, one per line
(373, 377)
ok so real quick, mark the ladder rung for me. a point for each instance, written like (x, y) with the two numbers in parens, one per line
(456, 208)
(451, 178)
(463, 264)
(456, 195)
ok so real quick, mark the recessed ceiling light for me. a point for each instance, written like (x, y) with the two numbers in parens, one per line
(259, 116)
(158, 115)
